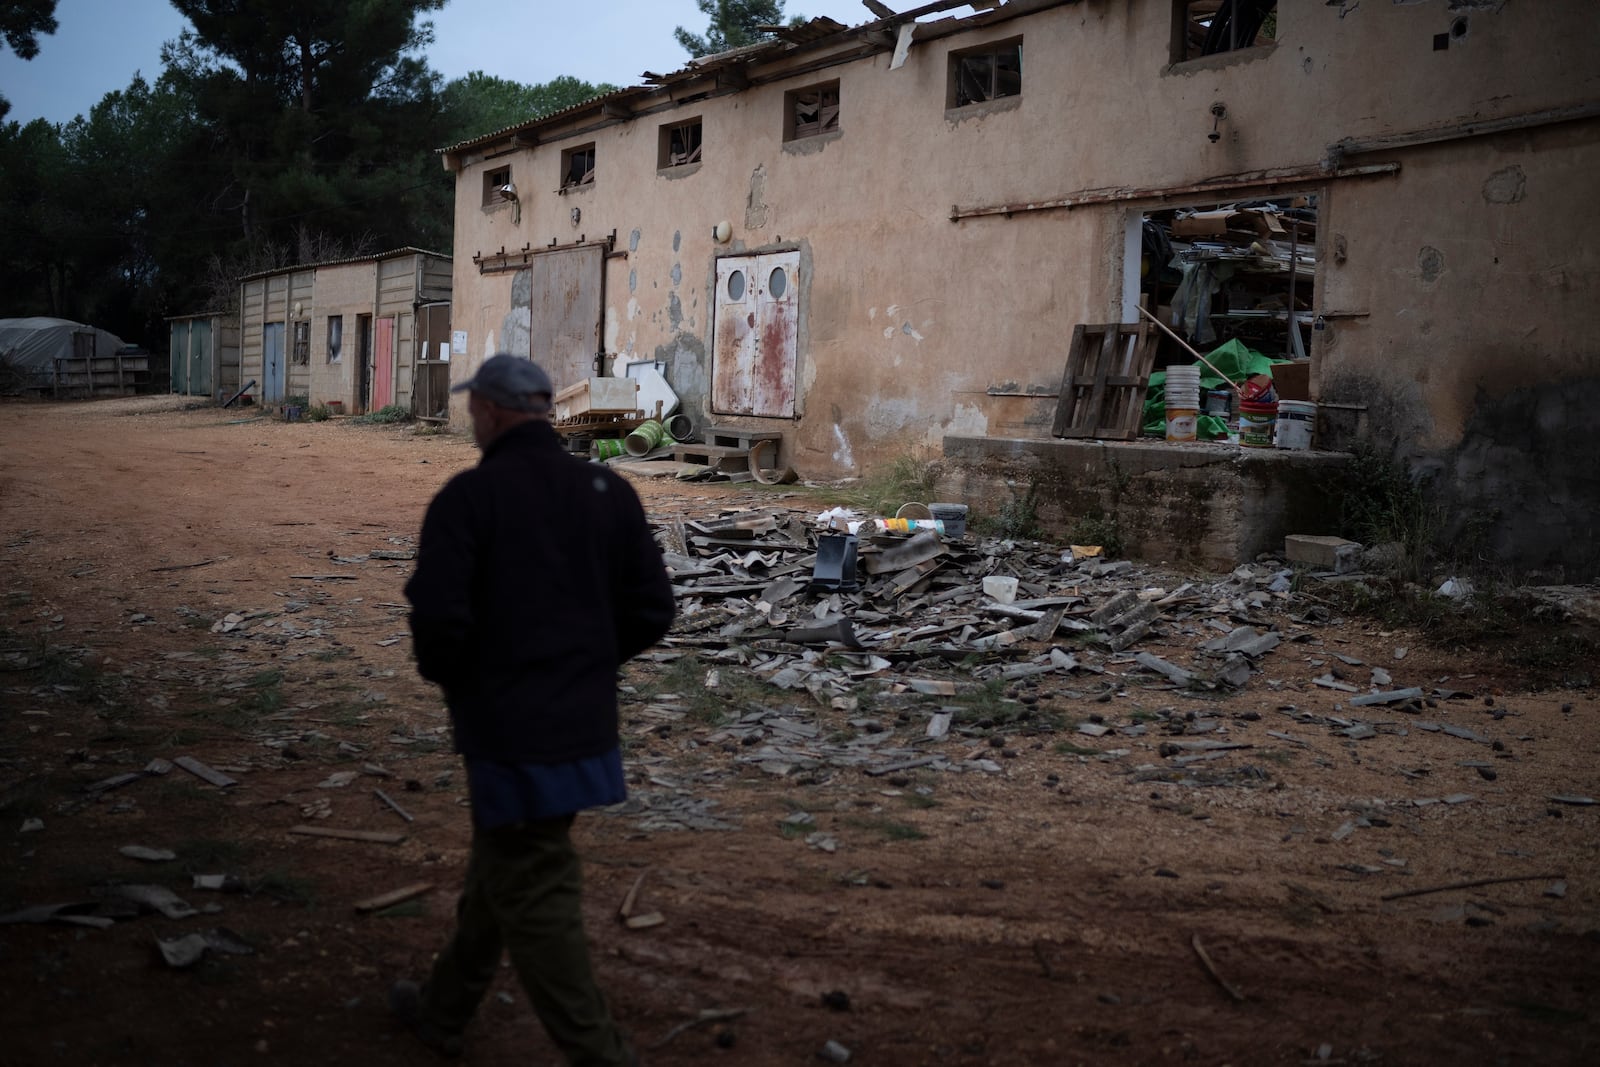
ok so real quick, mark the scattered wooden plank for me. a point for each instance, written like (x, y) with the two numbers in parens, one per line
(393, 897)
(1475, 883)
(204, 773)
(183, 566)
(375, 836)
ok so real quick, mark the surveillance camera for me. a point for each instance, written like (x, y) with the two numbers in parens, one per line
(508, 192)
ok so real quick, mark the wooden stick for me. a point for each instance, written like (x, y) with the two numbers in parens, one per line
(1472, 885)
(626, 911)
(393, 897)
(1234, 385)
(710, 1016)
(183, 566)
(375, 836)
(398, 810)
(1200, 951)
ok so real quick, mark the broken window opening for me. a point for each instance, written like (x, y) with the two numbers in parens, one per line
(991, 72)
(811, 111)
(1242, 271)
(1211, 27)
(577, 166)
(302, 341)
(680, 145)
(335, 337)
(493, 181)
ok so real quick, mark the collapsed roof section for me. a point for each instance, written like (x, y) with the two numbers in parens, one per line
(810, 46)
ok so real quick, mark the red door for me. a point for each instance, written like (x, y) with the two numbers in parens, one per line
(383, 365)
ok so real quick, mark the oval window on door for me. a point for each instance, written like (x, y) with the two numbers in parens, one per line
(736, 285)
(777, 281)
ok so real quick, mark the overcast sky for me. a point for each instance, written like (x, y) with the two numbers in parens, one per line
(101, 43)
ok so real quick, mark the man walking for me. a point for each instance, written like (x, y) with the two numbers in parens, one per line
(536, 578)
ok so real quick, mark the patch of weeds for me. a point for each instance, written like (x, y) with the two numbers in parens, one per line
(207, 652)
(905, 480)
(387, 415)
(1017, 519)
(430, 429)
(918, 801)
(1098, 529)
(318, 413)
(791, 830)
(328, 655)
(1068, 748)
(198, 622)
(184, 736)
(29, 797)
(211, 855)
(686, 678)
(1141, 715)
(1276, 755)
(1380, 501)
(889, 828)
(286, 888)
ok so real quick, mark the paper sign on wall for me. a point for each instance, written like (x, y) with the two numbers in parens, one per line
(458, 342)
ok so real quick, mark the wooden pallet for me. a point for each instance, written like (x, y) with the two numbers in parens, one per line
(1103, 389)
(737, 437)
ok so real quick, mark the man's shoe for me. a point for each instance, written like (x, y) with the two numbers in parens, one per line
(405, 1002)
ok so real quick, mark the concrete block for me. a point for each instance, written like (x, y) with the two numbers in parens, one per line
(1330, 553)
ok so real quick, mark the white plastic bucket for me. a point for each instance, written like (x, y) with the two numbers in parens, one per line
(1297, 419)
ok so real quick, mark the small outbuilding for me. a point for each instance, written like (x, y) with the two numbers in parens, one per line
(361, 333)
(204, 355)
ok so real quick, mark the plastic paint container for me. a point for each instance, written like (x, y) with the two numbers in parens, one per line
(1297, 419)
(1219, 402)
(1182, 401)
(1257, 421)
(954, 517)
(680, 427)
(1180, 424)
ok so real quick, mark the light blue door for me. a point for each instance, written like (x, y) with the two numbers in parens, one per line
(272, 369)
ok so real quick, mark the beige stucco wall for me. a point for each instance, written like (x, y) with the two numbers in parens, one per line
(909, 321)
(346, 289)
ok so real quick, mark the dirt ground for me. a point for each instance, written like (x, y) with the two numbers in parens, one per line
(1059, 907)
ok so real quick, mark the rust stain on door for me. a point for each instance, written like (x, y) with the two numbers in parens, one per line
(756, 342)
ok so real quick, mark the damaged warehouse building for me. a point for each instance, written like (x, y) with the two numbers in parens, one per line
(880, 240)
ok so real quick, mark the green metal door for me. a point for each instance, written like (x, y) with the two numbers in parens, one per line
(178, 357)
(200, 358)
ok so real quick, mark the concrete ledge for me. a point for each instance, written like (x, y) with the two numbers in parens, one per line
(1206, 503)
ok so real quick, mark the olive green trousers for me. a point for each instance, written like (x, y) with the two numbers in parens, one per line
(522, 896)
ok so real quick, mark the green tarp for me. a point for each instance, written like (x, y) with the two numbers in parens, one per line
(1234, 359)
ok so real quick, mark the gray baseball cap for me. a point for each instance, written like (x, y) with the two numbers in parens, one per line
(512, 382)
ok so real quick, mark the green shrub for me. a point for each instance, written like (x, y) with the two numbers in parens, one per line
(387, 415)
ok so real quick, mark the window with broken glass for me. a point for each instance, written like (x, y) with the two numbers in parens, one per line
(335, 337)
(811, 111)
(302, 341)
(680, 145)
(1211, 27)
(493, 181)
(988, 73)
(577, 166)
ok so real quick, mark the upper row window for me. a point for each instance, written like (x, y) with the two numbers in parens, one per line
(811, 111)
(990, 72)
(680, 145)
(494, 180)
(1209, 27)
(577, 166)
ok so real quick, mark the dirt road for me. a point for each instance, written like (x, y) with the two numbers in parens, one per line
(1212, 880)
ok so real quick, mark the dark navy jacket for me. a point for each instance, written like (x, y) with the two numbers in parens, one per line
(536, 578)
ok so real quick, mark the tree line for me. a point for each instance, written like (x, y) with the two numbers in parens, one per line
(278, 132)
